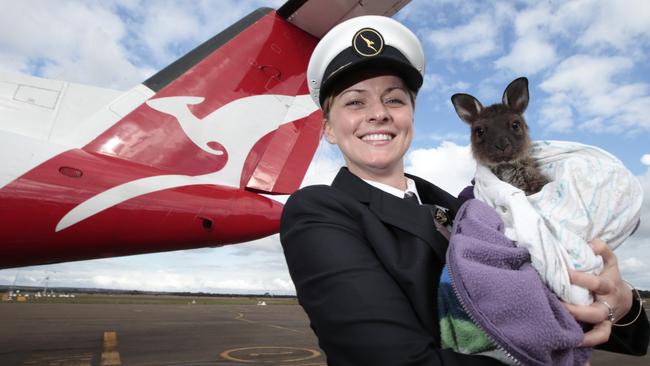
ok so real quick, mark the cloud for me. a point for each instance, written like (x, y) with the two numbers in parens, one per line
(588, 89)
(633, 264)
(449, 136)
(215, 270)
(634, 254)
(529, 55)
(112, 44)
(86, 42)
(531, 52)
(557, 113)
(325, 165)
(473, 40)
(449, 166)
(616, 26)
(645, 159)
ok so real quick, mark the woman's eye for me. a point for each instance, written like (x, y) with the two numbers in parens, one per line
(395, 101)
(353, 102)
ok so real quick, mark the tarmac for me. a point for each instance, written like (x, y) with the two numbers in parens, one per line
(161, 335)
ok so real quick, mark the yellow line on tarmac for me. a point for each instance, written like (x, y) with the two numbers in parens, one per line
(110, 356)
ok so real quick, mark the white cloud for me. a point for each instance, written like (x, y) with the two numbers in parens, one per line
(471, 41)
(531, 52)
(85, 41)
(113, 44)
(634, 254)
(617, 26)
(529, 55)
(556, 113)
(325, 165)
(533, 20)
(224, 269)
(449, 166)
(645, 159)
(449, 136)
(589, 87)
(585, 74)
(432, 82)
(633, 264)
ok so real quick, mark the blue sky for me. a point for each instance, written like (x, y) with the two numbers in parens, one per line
(586, 61)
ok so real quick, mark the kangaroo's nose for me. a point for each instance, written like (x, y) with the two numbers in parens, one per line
(502, 144)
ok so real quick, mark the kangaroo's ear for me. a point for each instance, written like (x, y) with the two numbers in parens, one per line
(516, 95)
(467, 107)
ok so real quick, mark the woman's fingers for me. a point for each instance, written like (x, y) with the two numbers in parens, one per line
(593, 314)
(600, 248)
(597, 284)
(597, 335)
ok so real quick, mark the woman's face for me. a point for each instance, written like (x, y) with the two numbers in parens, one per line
(371, 121)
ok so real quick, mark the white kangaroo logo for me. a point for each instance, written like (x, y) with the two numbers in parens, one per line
(237, 126)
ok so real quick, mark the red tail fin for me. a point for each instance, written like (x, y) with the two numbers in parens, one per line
(236, 107)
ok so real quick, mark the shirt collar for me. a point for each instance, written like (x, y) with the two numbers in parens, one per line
(410, 187)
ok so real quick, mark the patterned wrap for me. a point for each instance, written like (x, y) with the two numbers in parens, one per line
(590, 195)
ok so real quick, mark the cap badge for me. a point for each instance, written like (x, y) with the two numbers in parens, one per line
(368, 42)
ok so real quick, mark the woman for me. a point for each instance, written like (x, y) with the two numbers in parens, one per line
(365, 261)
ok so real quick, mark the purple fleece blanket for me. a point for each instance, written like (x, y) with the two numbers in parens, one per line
(505, 296)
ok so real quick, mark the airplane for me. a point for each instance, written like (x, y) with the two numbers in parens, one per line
(190, 158)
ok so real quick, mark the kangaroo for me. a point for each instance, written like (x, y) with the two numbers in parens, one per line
(500, 138)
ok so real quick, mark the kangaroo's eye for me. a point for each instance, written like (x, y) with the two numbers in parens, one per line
(516, 125)
(479, 131)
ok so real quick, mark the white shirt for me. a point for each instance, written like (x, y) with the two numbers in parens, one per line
(410, 187)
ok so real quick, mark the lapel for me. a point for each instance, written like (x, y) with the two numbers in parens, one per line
(397, 212)
(432, 195)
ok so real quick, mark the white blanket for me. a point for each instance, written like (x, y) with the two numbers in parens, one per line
(591, 195)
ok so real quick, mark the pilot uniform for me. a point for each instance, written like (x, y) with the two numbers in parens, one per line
(366, 266)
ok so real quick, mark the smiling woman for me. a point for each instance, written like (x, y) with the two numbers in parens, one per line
(366, 253)
(364, 260)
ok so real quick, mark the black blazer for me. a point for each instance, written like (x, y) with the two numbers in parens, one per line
(366, 267)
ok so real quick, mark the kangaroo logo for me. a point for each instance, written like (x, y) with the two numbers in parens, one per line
(231, 130)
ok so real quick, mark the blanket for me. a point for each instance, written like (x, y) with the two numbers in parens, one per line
(491, 301)
(590, 195)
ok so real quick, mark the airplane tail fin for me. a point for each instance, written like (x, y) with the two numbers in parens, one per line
(235, 110)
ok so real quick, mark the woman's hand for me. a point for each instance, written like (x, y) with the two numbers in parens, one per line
(607, 287)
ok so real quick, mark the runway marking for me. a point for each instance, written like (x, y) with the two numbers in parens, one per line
(240, 316)
(261, 354)
(110, 356)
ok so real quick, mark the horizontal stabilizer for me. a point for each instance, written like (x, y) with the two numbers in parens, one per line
(316, 17)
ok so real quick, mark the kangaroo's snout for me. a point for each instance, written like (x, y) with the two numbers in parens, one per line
(502, 144)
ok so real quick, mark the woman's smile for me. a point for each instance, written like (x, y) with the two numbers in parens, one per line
(378, 137)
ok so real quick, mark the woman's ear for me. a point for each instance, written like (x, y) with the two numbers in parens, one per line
(328, 132)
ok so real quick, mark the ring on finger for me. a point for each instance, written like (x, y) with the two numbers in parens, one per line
(610, 310)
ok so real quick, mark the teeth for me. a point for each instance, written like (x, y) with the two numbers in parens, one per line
(377, 137)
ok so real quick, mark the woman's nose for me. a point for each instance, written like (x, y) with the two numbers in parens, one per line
(378, 112)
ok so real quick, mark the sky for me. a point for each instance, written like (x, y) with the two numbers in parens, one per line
(586, 61)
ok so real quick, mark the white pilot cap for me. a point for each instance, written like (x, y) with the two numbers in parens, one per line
(369, 40)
